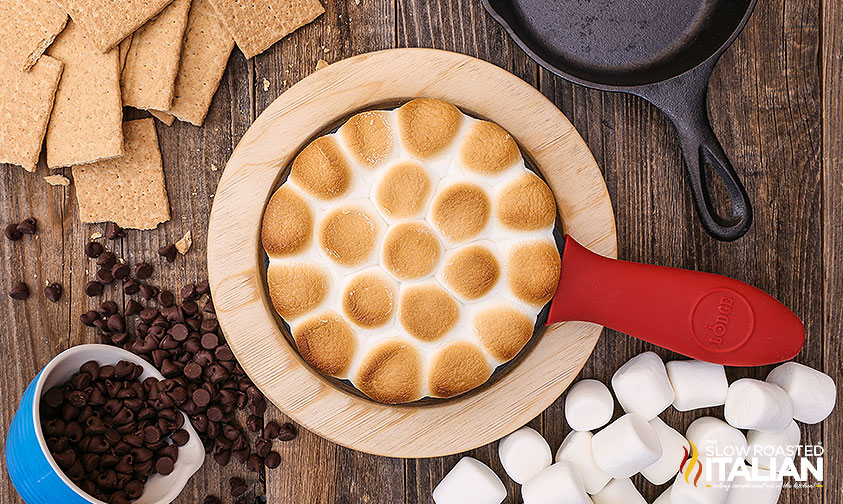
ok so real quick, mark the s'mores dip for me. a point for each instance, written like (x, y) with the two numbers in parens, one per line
(411, 251)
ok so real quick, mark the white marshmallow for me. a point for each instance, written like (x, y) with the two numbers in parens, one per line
(619, 491)
(524, 453)
(715, 438)
(697, 384)
(576, 449)
(772, 448)
(674, 449)
(664, 498)
(682, 492)
(558, 484)
(470, 481)
(588, 405)
(758, 405)
(642, 386)
(813, 392)
(754, 492)
(626, 446)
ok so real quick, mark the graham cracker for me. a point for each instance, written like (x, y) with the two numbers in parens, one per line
(123, 51)
(257, 24)
(152, 62)
(26, 99)
(107, 22)
(164, 117)
(129, 190)
(86, 124)
(27, 28)
(204, 56)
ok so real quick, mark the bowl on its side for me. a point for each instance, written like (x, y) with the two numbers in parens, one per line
(32, 469)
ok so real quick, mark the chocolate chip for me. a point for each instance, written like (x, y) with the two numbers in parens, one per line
(53, 292)
(209, 341)
(130, 286)
(120, 271)
(133, 307)
(143, 271)
(106, 260)
(272, 460)
(93, 288)
(148, 292)
(28, 226)
(287, 432)
(166, 298)
(209, 307)
(113, 231)
(180, 437)
(88, 318)
(188, 291)
(20, 291)
(201, 397)
(271, 430)
(255, 423)
(168, 252)
(237, 486)
(116, 323)
(254, 463)
(11, 232)
(164, 466)
(104, 276)
(262, 446)
(222, 457)
(192, 371)
(203, 287)
(179, 332)
(93, 249)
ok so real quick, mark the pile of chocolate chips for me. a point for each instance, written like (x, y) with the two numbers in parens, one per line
(109, 432)
(184, 341)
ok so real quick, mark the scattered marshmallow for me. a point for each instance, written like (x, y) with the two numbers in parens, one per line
(588, 405)
(626, 446)
(664, 498)
(754, 492)
(619, 491)
(642, 386)
(674, 448)
(558, 484)
(470, 481)
(757, 405)
(524, 453)
(576, 449)
(813, 392)
(768, 449)
(697, 384)
(714, 437)
(707, 490)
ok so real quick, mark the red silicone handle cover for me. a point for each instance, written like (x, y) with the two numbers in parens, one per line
(701, 315)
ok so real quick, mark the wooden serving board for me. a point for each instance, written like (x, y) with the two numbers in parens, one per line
(235, 266)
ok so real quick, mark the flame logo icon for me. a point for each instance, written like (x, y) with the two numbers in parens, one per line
(689, 462)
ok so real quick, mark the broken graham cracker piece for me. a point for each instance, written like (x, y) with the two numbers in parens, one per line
(204, 56)
(86, 124)
(57, 180)
(258, 24)
(164, 117)
(107, 22)
(26, 100)
(184, 244)
(152, 61)
(27, 28)
(128, 190)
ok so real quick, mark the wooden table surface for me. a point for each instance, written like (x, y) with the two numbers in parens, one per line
(775, 101)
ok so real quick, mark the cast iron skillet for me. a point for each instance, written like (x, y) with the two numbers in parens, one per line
(661, 50)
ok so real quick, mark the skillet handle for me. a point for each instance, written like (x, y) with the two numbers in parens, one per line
(701, 315)
(683, 100)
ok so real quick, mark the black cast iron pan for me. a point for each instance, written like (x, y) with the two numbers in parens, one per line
(661, 50)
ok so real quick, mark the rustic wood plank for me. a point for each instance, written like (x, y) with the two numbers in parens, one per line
(832, 344)
(313, 469)
(464, 27)
(763, 102)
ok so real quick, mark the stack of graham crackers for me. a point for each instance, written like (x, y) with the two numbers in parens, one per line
(68, 80)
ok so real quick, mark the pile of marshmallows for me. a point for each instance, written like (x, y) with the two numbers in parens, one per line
(595, 468)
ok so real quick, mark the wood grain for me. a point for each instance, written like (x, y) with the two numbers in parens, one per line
(775, 101)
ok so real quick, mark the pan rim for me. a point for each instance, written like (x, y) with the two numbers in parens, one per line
(616, 88)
